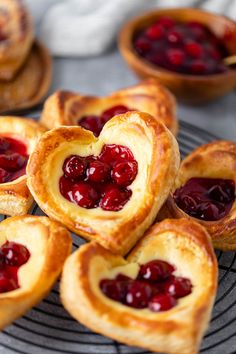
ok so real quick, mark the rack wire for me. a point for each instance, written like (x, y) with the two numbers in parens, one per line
(49, 329)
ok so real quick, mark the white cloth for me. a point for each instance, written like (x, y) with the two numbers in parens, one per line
(89, 27)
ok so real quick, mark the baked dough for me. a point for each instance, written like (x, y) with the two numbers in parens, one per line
(16, 25)
(183, 243)
(214, 160)
(67, 108)
(15, 197)
(154, 148)
(49, 245)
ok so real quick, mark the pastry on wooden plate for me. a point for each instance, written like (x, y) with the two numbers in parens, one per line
(159, 298)
(32, 253)
(18, 138)
(16, 37)
(68, 108)
(110, 188)
(204, 190)
(30, 84)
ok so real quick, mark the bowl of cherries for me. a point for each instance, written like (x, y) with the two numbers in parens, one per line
(185, 49)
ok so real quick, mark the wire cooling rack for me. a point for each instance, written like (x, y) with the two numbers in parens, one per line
(49, 329)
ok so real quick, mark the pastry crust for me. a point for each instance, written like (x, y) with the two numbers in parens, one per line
(23, 92)
(183, 243)
(15, 197)
(16, 24)
(213, 160)
(49, 244)
(154, 148)
(67, 108)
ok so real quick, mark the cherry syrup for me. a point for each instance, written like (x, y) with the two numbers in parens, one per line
(12, 256)
(208, 199)
(13, 159)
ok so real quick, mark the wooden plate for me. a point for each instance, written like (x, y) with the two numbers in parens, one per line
(30, 84)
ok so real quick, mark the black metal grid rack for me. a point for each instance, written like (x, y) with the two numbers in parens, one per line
(48, 328)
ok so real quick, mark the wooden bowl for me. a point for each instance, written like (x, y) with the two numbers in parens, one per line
(188, 88)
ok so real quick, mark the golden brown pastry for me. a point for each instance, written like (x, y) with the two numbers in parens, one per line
(120, 297)
(18, 138)
(109, 188)
(16, 37)
(30, 84)
(33, 250)
(204, 190)
(68, 108)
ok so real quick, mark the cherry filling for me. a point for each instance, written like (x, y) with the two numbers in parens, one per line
(12, 257)
(13, 159)
(155, 287)
(207, 199)
(95, 123)
(99, 181)
(188, 48)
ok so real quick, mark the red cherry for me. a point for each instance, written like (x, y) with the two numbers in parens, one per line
(85, 195)
(114, 199)
(138, 294)
(155, 32)
(193, 49)
(174, 36)
(198, 30)
(162, 302)
(142, 45)
(4, 145)
(222, 192)
(65, 186)
(14, 254)
(74, 167)
(176, 57)
(115, 290)
(13, 162)
(7, 284)
(156, 270)
(198, 67)
(166, 22)
(210, 211)
(157, 59)
(113, 111)
(178, 287)
(124, 173)
(122, 277)
(98, 171)
(3, 175)
(112, 153)
(214, 53)
(91, 123)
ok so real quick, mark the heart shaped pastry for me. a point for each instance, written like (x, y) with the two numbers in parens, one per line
(18, 138)
(68, 108)
(32, 252)
(109, 188)
(16, 36)
(159, 298)
(205, 190)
